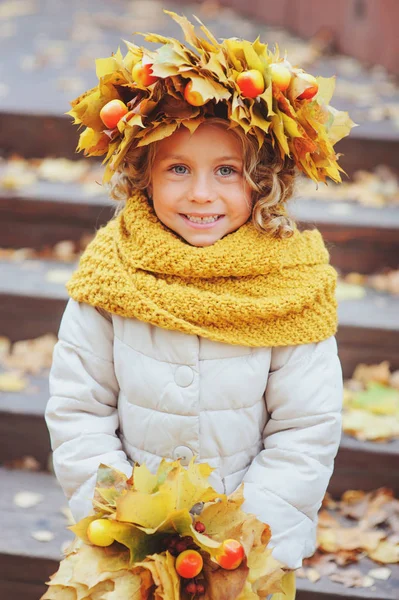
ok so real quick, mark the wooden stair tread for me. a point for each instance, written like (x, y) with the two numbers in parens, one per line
(17, 524)
(32, 278)
(344, 213)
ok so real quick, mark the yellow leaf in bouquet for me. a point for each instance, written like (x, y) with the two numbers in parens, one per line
(247, 593)
(59, 592)
(288, 590)
(109, 478)
(146, 510)
(163, 572)
(265, 572)
(192, 486)
(143, 480)
(126, 586)
(224, 517)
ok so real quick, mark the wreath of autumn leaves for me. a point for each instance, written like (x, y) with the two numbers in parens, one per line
(168, 536)
(146, 95)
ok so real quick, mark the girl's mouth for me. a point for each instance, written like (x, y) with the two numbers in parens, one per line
(202, 222)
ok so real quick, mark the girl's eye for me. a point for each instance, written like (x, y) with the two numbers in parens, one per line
(227, 171)
(180, 171)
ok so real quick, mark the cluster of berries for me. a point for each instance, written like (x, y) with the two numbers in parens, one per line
(194, 587)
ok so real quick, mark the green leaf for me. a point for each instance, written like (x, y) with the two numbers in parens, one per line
(378, 399)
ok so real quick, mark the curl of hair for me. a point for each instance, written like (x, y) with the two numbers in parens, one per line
(270, 178)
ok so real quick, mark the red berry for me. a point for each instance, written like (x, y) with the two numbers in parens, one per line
(181, 546)
(200, 527)
(188, 539)
(191, 588)
(200, 588)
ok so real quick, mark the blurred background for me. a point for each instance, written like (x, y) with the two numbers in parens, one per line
(52, 202)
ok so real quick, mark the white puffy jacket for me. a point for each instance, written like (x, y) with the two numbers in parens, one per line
(123, 390)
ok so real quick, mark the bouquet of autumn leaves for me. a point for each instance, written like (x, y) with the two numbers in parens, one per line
(168, 536)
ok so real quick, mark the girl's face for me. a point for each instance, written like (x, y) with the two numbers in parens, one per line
(197, 185)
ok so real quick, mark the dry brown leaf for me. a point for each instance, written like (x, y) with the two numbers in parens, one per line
(31, 356)
(369, 373)
(386, 553)
(313, 575)
(25, 463)
(352, 578)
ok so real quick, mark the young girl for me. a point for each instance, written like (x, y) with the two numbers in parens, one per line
(201, 321)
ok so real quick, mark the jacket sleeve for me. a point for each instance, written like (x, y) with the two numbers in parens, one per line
(285, 484)
(81, 414)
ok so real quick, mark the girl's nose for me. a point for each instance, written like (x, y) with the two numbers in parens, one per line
(202, 189)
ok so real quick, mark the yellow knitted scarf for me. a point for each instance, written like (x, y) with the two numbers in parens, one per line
(248, 288)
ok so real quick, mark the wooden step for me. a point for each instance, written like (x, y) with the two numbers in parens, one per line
(365, 466)
(25, 564)
(368, 330)
(45, 213)
(32, 305)
(359, 238)
(23, 432)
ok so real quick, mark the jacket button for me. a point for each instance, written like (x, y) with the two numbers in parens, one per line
(184, 453)
(184, 376)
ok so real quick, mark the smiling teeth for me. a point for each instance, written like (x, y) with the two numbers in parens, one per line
(202, 219)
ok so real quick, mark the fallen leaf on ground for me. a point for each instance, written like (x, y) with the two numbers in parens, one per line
(43, 535)
(27, 499)
(381, 573)
(12, 382)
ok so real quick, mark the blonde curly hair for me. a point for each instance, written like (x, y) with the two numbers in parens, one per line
(271, 179)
